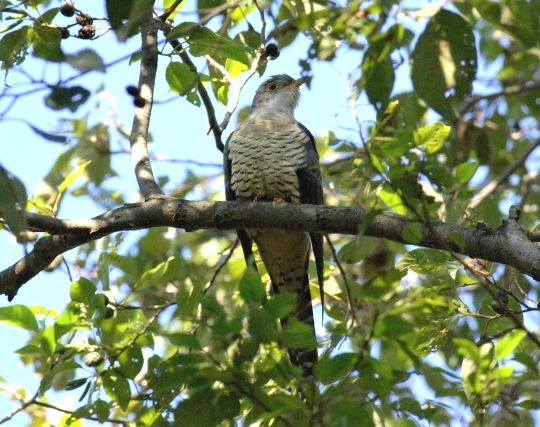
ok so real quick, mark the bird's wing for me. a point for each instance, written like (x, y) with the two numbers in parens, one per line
(245, 241)
(311, 192)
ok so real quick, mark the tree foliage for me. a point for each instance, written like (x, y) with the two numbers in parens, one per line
(166, 327)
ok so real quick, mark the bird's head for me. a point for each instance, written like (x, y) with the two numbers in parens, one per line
(277, 95)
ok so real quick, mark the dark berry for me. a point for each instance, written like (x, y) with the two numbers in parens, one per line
(271, 50)
(502, 297)
(139, 102)
(64, 32)
(132, 90)
(109, 312)
(87, 32)
(84, 19)
(67, 9)
(498, 308)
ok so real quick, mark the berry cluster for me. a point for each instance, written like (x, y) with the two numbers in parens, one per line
(87, 30)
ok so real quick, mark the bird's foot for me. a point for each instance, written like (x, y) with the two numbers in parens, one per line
(278, 200)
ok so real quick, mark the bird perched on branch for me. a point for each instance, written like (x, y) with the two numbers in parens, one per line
(272, 157)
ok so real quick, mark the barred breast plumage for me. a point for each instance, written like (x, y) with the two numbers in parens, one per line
(265, 155)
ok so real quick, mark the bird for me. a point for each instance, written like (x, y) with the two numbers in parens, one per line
(273, 157)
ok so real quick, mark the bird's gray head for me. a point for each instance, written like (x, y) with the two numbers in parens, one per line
(277, 95)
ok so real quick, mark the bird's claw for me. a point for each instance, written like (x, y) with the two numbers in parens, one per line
(278, 200)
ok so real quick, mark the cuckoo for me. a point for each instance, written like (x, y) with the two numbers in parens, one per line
(272, 157)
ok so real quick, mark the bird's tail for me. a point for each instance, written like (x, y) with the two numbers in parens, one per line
(305, 358)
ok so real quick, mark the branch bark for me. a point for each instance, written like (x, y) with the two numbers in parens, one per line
(141, 119)
(507, 244)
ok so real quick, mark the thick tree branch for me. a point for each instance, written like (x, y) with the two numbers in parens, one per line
(141, 121)
(508, 244)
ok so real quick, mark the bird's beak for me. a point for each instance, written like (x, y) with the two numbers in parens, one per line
(299, 82)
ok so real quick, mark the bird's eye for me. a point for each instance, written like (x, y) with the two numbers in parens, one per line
(272, 86)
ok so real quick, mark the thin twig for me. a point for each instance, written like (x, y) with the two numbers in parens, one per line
(66, 411)
(16, 410)
(515, 89)
(165, 15)
(220, 266)
(236, 87)
(161, 158)
(209, 107)
(139, 334)
(488, 189)
(344, 277)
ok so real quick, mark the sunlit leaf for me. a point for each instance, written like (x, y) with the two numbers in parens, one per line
(432, 137)
(131, 361)
(251, 287)
(445, 63)
(12, 201)
(117, 387)
(82, 290)
(507, 344)
(180, 78)
(19, 315)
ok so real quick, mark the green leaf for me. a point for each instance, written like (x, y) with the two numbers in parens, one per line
(251, 287)
(507, 344)
(47, 135)
(378, 77)
(86, 60)
(182, 30)
(392, 200)
(297, 334)
(67, 321)
(75, 384)
(19, 315)
(12, 201)
(72, 176)
(181, 339)
(117, 387)
(412, 233)
(102, 409)
(355, 250)
(205, 6)
(30, 349)
(328, 370)
(126, 16)
(67, 97)
(180, 78)
(261, 325)
(465, 171)
(444, 63)
(14, 47)
(82, 290)
(48, 340)
(526, 360)
(432, 136)
(204, 41)
(280, 305)
(206, 408)
(161, 274)
(532, 404)
(46, 42)
(131, 361)
(56, 371)
(424, 261)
